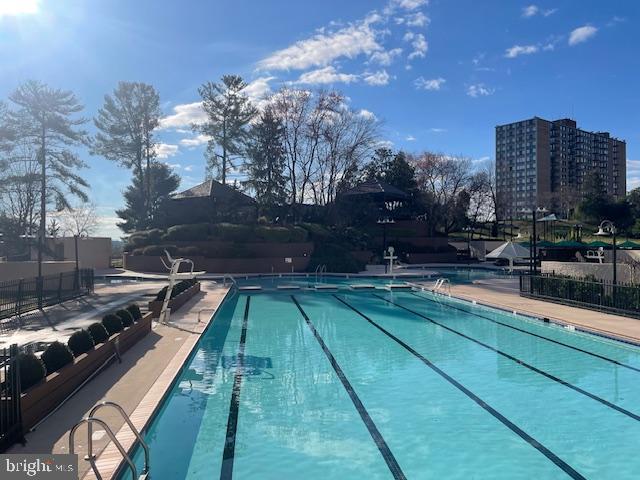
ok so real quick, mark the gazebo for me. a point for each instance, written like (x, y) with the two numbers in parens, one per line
(509, 251)
(377, 190)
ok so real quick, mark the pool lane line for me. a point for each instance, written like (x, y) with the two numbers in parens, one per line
(377, 437)
(521, 363)
(504, 420)
(226, 471)
(602, 357)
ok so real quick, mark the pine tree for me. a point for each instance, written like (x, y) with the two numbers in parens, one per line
(266, 165)
(135, 216)
(229, 112)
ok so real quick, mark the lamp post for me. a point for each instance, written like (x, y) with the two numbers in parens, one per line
(607, 227)
(533, 249)
(469, 231)
(77, 276)
(384, 222)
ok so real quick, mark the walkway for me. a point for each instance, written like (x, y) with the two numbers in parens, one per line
(137, 384)
(504, 293)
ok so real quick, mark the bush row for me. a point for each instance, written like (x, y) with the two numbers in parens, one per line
(178, 288)
(228, 232)
(57, 354)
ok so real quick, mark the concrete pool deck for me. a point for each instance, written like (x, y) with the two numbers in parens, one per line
(137, 384)
(505, 294)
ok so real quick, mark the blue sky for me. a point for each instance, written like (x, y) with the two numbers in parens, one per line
(439, 74)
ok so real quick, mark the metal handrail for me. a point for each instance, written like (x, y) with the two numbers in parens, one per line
(109, 432)
(131, 426)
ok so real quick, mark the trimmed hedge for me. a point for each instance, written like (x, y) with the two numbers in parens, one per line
(56, 356)
(125, 317)
(31, 370)
(98, 332)
(192, 231)
(178, 288)
(112, 324)
(135, 312)
(336, 258)
(80, 342)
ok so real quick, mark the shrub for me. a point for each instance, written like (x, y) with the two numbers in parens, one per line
(191, 231)
(56, 356)
(125, 317)
(232, 232)
(273, 234)
(190, 251)
(31, 370)
(112, 324)
(298, 234)
(178, 288)
(98, 332)
(316, 231)
(158, 250)
(135, 312)
(80, 342)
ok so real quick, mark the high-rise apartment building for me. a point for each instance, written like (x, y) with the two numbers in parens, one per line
(545, 163)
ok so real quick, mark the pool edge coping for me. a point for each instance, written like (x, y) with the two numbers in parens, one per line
(109, 461)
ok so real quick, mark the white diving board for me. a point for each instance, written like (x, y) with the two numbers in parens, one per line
(362, 286)
(326, 286)
(250, 287)
(288, 287)
(398, 286)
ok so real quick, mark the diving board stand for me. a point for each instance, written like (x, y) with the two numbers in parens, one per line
(174, 274)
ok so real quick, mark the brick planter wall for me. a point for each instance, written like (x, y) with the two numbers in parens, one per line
(175, 303)
(43, 397)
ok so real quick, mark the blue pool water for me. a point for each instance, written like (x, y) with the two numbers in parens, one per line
(383, 385)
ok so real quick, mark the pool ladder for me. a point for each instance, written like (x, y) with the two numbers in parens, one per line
(440, 284)
(91, 458)
(320, 271)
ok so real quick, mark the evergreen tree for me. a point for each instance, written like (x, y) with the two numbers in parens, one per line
(229, 112)
(266, 166)
(135, 215)
(126, 125)
(44, 121)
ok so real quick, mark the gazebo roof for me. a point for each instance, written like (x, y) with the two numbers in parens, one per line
(379, 189)
(509, 250)
(213, 189)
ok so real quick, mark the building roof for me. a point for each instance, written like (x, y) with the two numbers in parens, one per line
(379, 189)
(215, 190)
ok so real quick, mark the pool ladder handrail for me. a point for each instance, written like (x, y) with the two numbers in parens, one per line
(440, 283)
(90, 457)
(320, 270)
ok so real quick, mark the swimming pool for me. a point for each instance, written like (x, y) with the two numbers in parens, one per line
(379, 384)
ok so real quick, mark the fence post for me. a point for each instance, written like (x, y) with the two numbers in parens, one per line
(18, 310)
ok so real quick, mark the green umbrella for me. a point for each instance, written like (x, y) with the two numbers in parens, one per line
(569, 244)
(629, 245)
(599, 243)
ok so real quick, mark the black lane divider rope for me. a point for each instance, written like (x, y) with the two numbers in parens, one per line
(226, 471)
(379, 440)
(504, 420)
(446, 305)
(521, 362)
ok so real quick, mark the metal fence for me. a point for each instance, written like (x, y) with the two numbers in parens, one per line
(20, 296)
(605, 296)
(10, 412)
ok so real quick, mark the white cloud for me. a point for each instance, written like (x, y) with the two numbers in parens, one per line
(410, 138)
(258, 89)
(326, 75)
(183, 116)
(530, 11)
(322, 49)
(367, 114)
(410, 4)
(385, 57)
(422, 83)
(377, 79)
(633, 174)
(192, 142)
(188, 168)
(438, 130)
(11, 8)
(418, 19)
(549, 12)
(419, 44)
(479, 90)
(517, 50)
(582, 34)
(174, 166)
(166, 150)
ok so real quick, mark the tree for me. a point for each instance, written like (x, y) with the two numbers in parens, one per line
(393, 169)
(163, 182)
(126, 125)
(442, 182)
(80, 220)
(45, 120)
(266, 164)
(593, 207)
(229, 112)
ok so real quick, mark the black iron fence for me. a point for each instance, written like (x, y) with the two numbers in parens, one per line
(20, 296)
(10, 412)
(619, 298)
